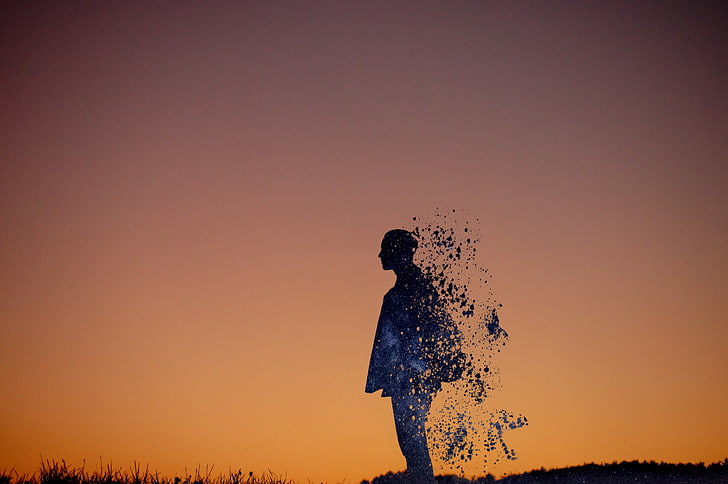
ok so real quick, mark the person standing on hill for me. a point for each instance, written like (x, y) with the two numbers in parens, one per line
(416, 348)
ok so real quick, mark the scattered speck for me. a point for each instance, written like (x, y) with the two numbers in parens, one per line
(464, 430)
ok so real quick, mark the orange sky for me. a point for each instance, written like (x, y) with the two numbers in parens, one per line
(192, 198)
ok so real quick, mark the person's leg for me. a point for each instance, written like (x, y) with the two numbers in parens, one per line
(410, 418)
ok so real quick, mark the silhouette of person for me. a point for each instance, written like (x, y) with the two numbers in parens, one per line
(415, 349)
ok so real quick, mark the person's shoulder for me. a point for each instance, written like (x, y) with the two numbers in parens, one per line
(425, 284)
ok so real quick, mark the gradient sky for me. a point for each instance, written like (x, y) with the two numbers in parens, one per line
(192, 196)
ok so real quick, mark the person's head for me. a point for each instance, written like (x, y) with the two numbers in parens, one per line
(398, 248)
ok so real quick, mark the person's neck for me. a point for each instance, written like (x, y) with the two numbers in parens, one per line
(406, 271)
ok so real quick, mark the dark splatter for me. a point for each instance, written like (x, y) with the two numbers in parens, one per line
(463, 428)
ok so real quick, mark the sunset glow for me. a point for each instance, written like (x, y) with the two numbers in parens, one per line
(193, 194)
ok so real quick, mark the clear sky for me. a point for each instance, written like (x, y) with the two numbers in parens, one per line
(192, 196)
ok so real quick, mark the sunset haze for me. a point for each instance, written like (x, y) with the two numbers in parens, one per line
(193, 194)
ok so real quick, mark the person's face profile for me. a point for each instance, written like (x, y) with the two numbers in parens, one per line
(387, 256)
(393, 255)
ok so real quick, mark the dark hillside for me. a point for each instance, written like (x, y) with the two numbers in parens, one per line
(616, 473)
(627, 472)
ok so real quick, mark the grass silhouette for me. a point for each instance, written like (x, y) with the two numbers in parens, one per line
(627, 472)
(52, 472)
(614, 473)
